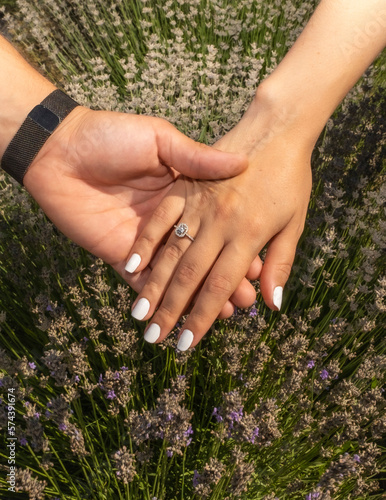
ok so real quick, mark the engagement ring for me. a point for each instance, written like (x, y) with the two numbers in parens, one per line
(182, 230)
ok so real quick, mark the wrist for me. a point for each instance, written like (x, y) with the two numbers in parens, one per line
(16, 110)
(37, 128)
(60, 149)
(287, 114)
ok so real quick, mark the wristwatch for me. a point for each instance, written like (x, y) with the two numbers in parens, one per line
(34, 132)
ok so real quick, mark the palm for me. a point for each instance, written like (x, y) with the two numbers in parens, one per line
(111, 180)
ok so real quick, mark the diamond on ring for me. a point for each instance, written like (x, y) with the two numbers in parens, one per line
(182, 230)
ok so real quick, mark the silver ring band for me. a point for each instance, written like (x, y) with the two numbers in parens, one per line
(182, 230)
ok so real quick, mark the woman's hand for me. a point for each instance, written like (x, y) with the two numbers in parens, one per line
(231, 221)
(101, 174)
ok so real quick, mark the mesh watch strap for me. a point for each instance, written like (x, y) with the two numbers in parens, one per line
(34, 132)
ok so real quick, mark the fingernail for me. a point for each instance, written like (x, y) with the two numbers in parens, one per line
(278, 296)
(152, 333)
(141, 309)
(133, 263)
(185, 340)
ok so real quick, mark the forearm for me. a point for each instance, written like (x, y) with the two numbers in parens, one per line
(341, 40)
(21, 88)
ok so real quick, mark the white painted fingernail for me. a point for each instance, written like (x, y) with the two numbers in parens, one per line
(152, 333)
(141, 309)
(278, 296)
(133, 263)
(185, 340)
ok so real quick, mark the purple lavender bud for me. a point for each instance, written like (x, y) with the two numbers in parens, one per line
(27, 403)
(37, 415)
(111, 395)
(100, 378)
(188, 441)
(77, 378)
(196, 478)
(255, 433)
(62, 427)
(311, 364)
(357, 458)
(235, 312)
(308, 497)
(169, 417)
(32, 365)
(236, 415)
(169, 453)
(316, 494)
(124, 368)
(324, 374)
(116, 375)
(49, 404)
(85, 339)
(253, 312)
(23, 441)
(47, 413)
(188, 431)
(49, 308)
(161, 434)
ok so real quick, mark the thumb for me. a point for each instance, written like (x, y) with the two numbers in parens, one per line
(194, 159)
(277, 268)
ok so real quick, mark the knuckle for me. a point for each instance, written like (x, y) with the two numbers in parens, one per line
(173, 252)
(146, 240)
(165, 312)
(200, 317)
(187, 274)
(218, 284)
(225, 210)
(254, 229)
(284, 268)
(229, 205)
(151, 290)
(161, 214)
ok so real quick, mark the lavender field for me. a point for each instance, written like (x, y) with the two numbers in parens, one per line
(270, 405)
